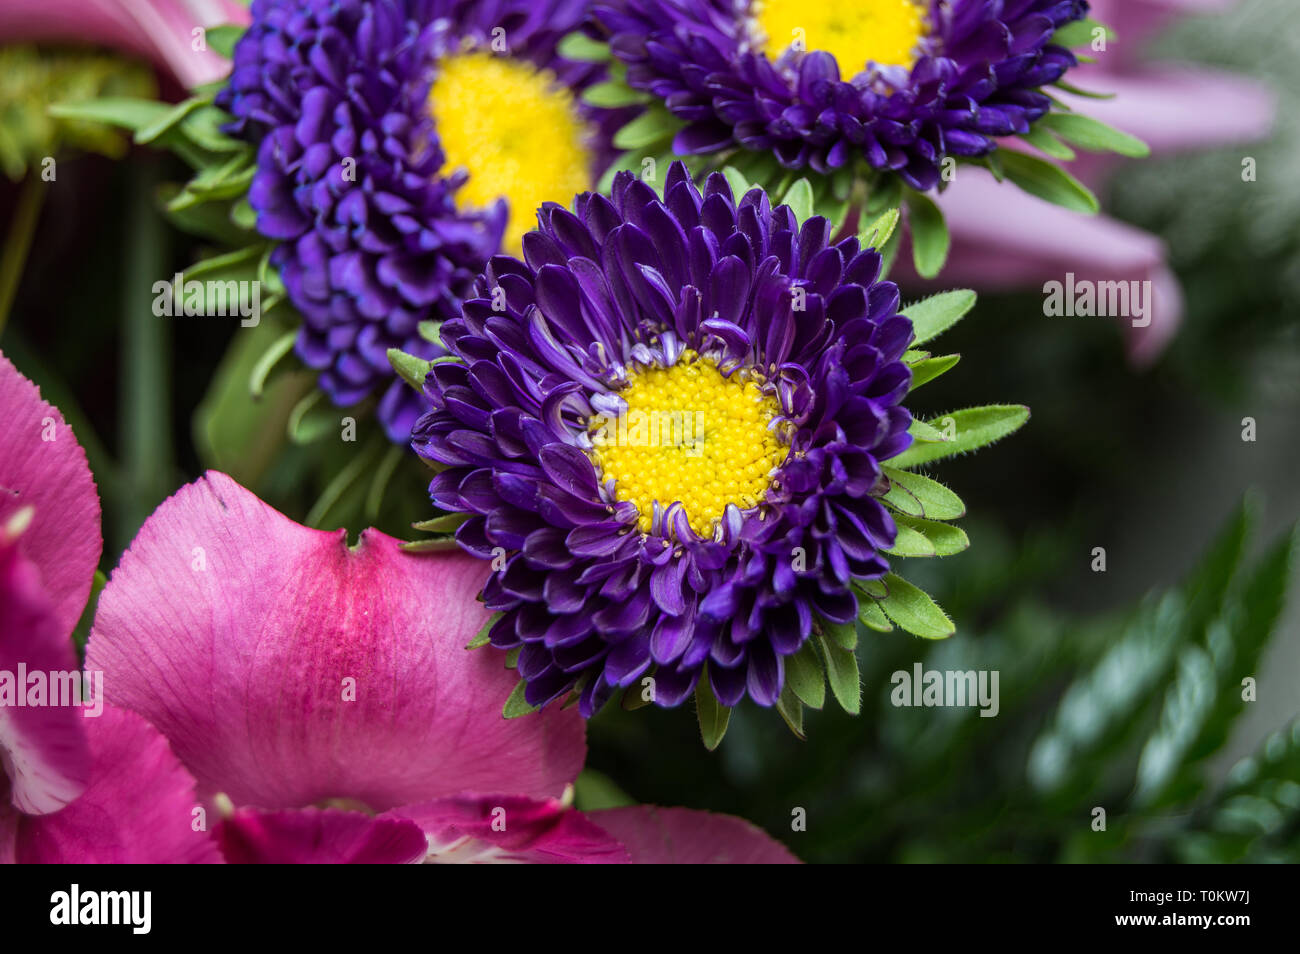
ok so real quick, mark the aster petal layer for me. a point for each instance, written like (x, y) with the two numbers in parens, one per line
(287, 669)
(594, 591)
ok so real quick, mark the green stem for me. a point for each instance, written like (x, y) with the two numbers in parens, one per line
(146, 451)
(19, 242)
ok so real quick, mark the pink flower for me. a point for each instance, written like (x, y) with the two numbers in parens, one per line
(1005, 239)
(160, 31)
(322, 697)
(73, 788)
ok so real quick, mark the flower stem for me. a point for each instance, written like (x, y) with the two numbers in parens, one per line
(19, 242)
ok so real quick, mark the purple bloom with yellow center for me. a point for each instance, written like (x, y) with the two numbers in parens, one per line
(665, 426)
(402, 143)
(900, 84)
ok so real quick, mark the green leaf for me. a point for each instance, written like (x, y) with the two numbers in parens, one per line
(1048, 181)
(713, 716)
(482, 638)
(925, 433)
(913, 610)
(911, 543)
(928, 369)
(844, 634)
(580, 47)
(311, 419)
(933, 316)
(1071, 88)
(879, 230)
(790, 709)
(269, 359)
(872, 616)
(1044, 141)
(412, 370)
(443, 524)
(613, 95)
(516, 705)
(432, 545)
(1094, 135)
(1079, 33)
(799, 197)
(652, 126)
(804, 676)
(936, 502)
(930, 239)
(842, 674)
(127, 113)
(972, 429)
(168, 120)
(944, 538)
(223, 38)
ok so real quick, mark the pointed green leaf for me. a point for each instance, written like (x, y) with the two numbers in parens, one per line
(804, 676)
(934, 315)
(127, 113)
(1094, 135)
(1044, 141)
(713, 716)
(913, 610)
(880, 229)
(930, 239)
(936, 501)
(799, 197)
(872, 616)
(412, 370)
(446, 523)
(910, 543)
(516, 705)
(925, 433)
(580, 47)
(928, 369)
(269, 359)
(790, 709)
(482, 639)
(1048, 181)
(971, 428)
(650, 127)
(434, 545)
(843, 634)
(842, 674)
(613, 95)
(944, 538)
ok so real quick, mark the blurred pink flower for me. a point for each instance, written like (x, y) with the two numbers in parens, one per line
(160, 31)
(1004, 239)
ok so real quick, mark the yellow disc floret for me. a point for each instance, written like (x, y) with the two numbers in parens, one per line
(855, 32)
(693, 436)
(515, 130)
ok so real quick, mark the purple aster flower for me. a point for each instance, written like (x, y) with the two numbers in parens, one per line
(402, 143)
(665, 426)
(903, 84)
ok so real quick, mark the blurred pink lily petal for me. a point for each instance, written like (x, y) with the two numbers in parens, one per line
(160, 31)
(138, 809)
(319, 836)
(288, 669)
(682, 836)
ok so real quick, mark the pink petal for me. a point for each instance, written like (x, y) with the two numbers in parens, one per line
(157, 30)
(43, 467)
(42, 748)
(319, 836)
(139, 808)
(509, 828)
(239, 633)
(682, 836)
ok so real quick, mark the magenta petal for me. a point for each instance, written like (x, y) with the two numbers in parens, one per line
(287, 669)
(42, 747)
(509, 828)
(683, 836)
(138, 809)
(319, 836)
(43, 467)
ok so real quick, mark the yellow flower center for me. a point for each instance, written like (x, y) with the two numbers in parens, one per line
(515, 130)
(855, 32)
(693, 436)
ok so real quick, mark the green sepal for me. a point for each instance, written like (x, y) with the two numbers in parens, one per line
(927, 369)
(879, 230)
(921, 496)
(910, 543)
(873, 617)
(913, 610)
(799, 198)
(1094, 135)
(612, 94)
(1048, 181)
(483, 638)
(1044, 141)
(790, 709)
(932, 316)
(712, 715)
(443, 524)
(944, 538)
(652, 126)
(409, 368)
(582, 48)
(432, 545)
(516, 705)
(925, 433)
(972, 427)
(842, 674)
(844, 634)
(1079, 33)
(512, 657)
(805, 677)
(930, 238)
